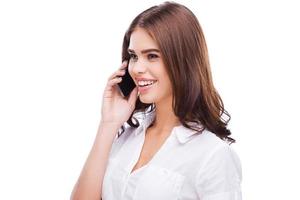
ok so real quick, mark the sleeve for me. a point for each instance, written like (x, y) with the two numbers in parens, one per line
(221, 176)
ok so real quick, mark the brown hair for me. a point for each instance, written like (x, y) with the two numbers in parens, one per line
(180, 39)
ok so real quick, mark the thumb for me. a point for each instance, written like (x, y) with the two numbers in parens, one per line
(133, 96)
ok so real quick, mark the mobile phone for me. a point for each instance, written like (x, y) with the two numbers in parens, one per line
(127, 84)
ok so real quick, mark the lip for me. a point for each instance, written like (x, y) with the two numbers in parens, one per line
(142, 89)
(145, 89)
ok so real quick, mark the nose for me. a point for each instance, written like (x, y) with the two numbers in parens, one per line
(138, 67)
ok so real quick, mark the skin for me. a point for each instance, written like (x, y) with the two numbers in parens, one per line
(116, 110)
(150, 65)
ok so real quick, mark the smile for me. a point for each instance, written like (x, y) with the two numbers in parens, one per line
(144, 87)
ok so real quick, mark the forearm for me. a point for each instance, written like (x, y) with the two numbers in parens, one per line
(89, 184)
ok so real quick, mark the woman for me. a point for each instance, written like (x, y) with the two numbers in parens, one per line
(175, 144)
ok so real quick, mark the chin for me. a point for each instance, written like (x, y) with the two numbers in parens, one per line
(145, 99)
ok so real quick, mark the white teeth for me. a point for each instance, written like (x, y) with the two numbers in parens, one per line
(143, 83)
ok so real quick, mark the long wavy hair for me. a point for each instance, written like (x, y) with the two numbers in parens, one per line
(181, 41)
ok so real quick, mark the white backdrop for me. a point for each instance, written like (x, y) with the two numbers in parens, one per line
(55, 57)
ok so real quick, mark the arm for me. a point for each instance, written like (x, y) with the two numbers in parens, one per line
(114, 112)
(89, 183)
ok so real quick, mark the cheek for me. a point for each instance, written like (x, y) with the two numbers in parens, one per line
(130, 69)
(167, 85)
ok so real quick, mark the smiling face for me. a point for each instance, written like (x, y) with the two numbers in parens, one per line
(146, 63)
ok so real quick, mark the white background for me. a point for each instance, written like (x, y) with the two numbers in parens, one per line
(55, 58)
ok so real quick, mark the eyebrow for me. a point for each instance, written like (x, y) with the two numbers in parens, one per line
(144, 51)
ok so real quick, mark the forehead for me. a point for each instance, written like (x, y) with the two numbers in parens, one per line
(140, 39)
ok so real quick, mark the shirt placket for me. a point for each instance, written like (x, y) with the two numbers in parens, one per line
(134, 159)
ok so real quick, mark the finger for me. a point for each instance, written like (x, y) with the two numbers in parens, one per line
(124, 64)
(117, 73)
(133, 96)
(121, 69)
(114, 81)
(110, 87)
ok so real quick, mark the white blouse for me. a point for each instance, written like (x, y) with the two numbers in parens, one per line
(188, 166)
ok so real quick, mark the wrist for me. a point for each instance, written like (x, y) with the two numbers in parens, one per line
(114, 126)
(110, 123)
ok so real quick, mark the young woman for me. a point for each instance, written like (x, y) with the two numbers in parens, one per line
(175, 144)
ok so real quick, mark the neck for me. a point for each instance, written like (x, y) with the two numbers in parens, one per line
(165, 119)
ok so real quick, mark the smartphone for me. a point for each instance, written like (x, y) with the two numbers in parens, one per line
(127, 84)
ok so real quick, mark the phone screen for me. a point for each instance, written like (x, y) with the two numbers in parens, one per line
(127, 84)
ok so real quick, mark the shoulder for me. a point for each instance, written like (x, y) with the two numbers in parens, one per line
(209, 143)
(218, 150)
(221, 172)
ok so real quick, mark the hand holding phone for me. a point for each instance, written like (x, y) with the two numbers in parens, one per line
(115, 108)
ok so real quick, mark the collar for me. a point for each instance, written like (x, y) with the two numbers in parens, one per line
(182, 133)
(145, 121)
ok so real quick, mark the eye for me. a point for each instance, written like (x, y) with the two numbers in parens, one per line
(152, 56)
(132, 56)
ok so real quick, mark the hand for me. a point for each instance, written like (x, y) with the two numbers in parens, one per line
(115, 108)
